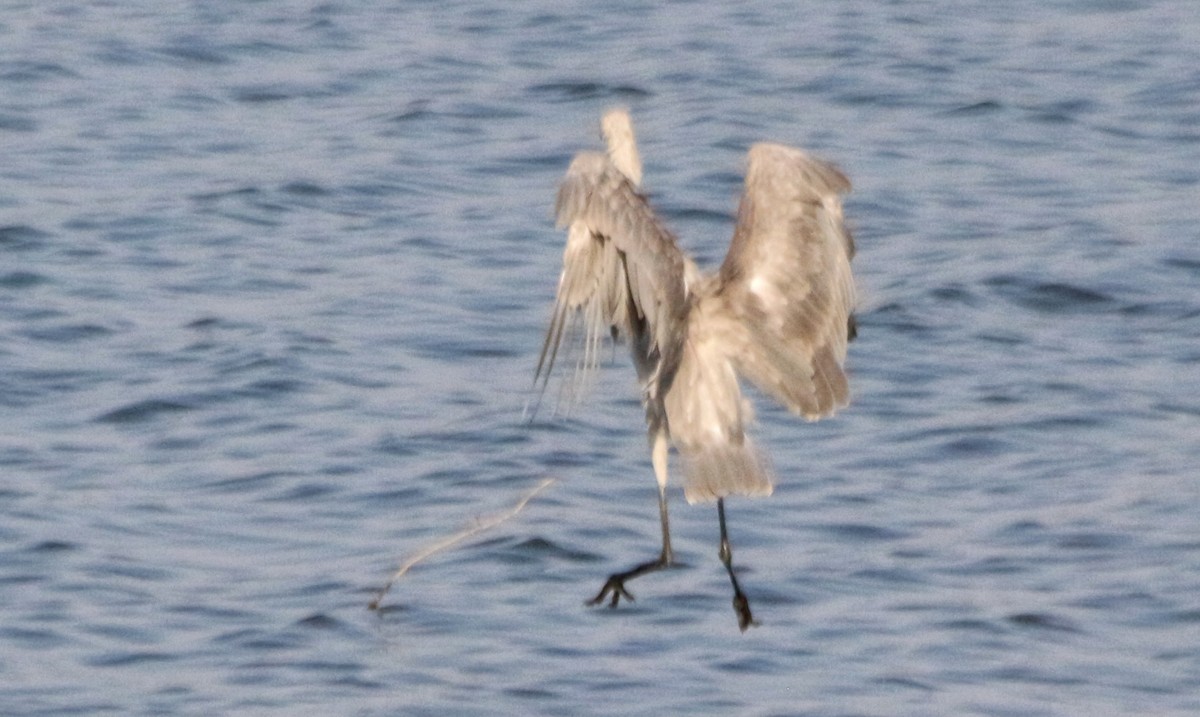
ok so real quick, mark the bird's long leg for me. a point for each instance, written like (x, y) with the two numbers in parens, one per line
(741, 605)
(615, 585)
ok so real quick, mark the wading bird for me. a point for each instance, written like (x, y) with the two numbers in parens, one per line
(778, 312)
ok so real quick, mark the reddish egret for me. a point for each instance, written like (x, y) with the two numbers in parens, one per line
(778, 312)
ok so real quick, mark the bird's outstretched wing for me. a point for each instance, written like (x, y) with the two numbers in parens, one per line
(786, 281)
(778, 313)
(622, 270)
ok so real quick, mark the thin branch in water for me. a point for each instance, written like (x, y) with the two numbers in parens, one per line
(480, 525)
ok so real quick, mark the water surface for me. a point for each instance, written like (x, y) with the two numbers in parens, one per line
(273, 279)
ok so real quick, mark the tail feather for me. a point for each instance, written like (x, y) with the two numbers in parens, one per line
(730, 469)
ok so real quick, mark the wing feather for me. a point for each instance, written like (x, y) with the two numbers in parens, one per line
(622, 270)
(787, 281)
(778, 313)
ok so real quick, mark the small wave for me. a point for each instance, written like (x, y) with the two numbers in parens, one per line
(17, 123)
(1042, 621)
(67, 333)
(142, 411)
(570, 91)
(1050, 297)
(21, 280)
(195, 51)
(21, 236)
(862, 532)
(983, 107)
(27, 71)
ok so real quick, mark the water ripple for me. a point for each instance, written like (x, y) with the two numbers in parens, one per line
(143, 411)
(274, 286)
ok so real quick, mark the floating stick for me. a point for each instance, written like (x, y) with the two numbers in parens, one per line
(479, 526)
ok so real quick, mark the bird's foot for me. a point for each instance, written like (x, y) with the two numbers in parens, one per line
(615, 585)
(742, 607)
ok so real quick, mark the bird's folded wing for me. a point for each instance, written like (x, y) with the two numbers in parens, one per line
(620, 266)
(786, 281)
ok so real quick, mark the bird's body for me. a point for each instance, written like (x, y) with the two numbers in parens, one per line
(778, 312)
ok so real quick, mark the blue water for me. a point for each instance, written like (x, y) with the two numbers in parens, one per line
(273, 278)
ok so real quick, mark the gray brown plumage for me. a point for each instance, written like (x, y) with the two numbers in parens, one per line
(778, 312)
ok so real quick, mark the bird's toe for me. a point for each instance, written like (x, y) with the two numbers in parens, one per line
(615, 586)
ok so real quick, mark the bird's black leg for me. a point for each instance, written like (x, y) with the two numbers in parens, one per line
(616, 582)
(740, 604)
